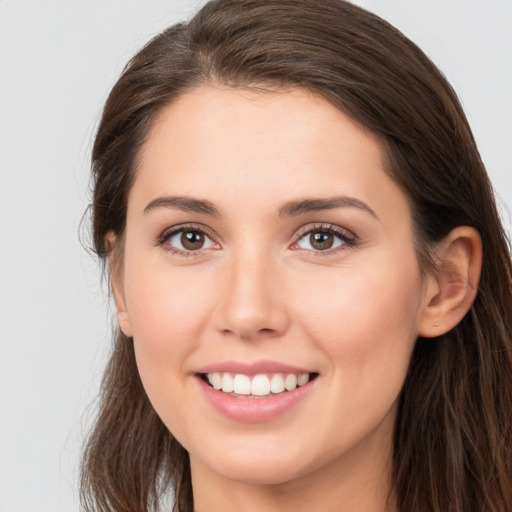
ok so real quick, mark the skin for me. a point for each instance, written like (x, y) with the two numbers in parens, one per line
(257, 291)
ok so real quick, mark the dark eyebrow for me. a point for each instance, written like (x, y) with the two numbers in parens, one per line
(303, 206)
(187, 204)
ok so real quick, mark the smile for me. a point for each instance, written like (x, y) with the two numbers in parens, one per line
(255, 392)
(259, 385)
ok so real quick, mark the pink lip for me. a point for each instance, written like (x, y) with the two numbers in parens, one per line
(254, 410)
(251, 369)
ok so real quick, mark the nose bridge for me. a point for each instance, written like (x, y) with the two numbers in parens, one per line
(251, 305)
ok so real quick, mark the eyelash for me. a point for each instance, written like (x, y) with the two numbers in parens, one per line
(163, 239)
(347, 238)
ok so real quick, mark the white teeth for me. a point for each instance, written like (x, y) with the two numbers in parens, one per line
(290, 383)
(215, 380)
(302, 379)
(277, 383)
(227, 383)
(242, 384)
(259, 385)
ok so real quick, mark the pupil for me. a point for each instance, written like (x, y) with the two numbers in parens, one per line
(321, 241)
(192, 240)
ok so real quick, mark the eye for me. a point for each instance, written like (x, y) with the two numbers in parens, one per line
(186, 240)
(324, 239)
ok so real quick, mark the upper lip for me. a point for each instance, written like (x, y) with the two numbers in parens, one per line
(254, 368)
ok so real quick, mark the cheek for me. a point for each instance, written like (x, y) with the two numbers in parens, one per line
(168, 312)
(366, 323)
(165, 302)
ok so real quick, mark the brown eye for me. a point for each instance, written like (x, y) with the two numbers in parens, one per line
(323, 239)
(187, 240)
(320, 240)
(192, 240)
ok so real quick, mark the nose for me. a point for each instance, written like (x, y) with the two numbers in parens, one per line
(252, 304)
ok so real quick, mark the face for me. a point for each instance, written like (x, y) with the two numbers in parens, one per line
(268, 254)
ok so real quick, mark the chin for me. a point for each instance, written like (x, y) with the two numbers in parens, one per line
(259, 466)
(259, 473)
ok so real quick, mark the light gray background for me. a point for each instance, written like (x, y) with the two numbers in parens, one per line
(58, 60)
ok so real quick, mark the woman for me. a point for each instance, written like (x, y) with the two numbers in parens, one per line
(312, 282)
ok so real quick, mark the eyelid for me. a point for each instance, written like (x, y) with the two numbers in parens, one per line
(191, 226)
(347, 236)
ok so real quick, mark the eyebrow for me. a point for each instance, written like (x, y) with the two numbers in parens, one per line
(187, 204)
(295, 208)
(290, 209)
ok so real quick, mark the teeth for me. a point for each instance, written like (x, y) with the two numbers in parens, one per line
(242, 384)
(215, 380)
(302, 379)
(259, 385)
(227, 383)
(290, 383)
(277, 383)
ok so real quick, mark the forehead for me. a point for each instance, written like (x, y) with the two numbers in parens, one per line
(276, 118)
(260, 145)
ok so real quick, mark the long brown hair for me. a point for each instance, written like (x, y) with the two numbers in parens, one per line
(453, 435)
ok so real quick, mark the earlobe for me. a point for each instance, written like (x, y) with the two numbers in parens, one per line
(452, 290)
(124, 323)
(117, 283)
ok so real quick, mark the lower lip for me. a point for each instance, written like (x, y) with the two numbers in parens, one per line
(254, 410)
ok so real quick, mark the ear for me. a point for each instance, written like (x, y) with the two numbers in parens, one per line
(117, 282)
(452, 290)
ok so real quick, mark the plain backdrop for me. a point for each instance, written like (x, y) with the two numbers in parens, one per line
(58, 60)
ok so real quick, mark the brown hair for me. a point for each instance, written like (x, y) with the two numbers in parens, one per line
(453, 435)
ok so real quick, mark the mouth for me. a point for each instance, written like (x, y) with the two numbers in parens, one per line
(262, 385)
(258, 391)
